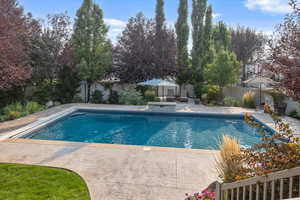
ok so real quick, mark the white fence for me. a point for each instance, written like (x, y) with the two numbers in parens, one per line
(279, 185)
(238, 93)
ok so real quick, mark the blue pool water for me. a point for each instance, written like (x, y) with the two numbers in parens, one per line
(165, 130)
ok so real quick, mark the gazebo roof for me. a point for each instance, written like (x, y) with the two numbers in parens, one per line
(159, 82)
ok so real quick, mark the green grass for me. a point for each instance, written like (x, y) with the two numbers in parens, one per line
(24, 182)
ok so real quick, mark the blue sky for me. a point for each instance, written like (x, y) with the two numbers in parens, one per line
(260, 14)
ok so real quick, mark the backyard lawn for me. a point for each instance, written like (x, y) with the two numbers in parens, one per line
(23, 182)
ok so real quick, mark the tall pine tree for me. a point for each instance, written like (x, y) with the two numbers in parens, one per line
(207, 29)
(93, 52)
(198, 13)
(159, 17)
(182, 31)
(207, 38)
(160, 28)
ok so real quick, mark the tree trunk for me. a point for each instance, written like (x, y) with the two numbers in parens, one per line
(244, 75)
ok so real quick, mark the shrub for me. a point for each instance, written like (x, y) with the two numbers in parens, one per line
(150, 95)
(249, 100)
(131, 96)
(230, 101)
(33, 107)
(113, 98)
(97, 97)
(228, 162)
(275, 152)
(67, 85)
(17, 107)
(294, 114)
(278, 97)
(11, 115)
(17, 110)
(44, 93)
(78, 99)
(211, 94)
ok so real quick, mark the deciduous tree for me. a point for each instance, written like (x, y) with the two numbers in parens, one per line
(135, 55)
(245, 43)
(47, 48)
(93, 51)
(68, 80)
(16, 29)
(283, 54)
(224, 70)
(221, 36)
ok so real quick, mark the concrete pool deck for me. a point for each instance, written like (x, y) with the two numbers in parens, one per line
(121, 171)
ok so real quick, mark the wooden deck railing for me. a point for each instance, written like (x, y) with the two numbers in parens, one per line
(279, 185)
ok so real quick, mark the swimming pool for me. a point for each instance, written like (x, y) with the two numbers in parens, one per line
(195, 131)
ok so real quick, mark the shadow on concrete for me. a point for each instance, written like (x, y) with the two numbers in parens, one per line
(63, 152)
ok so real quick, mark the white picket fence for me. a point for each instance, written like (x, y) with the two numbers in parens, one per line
(279, 185)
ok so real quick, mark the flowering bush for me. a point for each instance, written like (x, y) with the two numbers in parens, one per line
(277, 151)
(206, 194)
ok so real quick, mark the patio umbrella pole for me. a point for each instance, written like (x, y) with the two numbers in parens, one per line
(163, 88)
(259, 94)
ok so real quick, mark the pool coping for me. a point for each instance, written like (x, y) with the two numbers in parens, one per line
(16, 135)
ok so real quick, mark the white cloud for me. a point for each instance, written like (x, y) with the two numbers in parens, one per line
(273, 6)
(116, 27)
(216, 15)
(115, 22)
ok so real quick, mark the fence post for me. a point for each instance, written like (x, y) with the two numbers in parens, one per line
(218, 191)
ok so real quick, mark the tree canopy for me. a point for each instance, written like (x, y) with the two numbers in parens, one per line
(182, 32)
(246, 43)
(224, 70)
(93, 51)
(198, 15)
(135, 55)
(282, 56)
(16, 31)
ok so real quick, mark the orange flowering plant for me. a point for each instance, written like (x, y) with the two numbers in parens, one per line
(277, 151)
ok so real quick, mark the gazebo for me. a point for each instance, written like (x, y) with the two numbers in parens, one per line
(159, 83)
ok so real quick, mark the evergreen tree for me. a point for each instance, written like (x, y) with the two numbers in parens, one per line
(159, 17)
(93, 52)
(182, 31)
(207, 42)
(161, 35)
(207, 30)
(198, 13)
